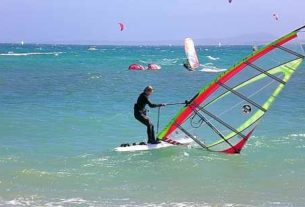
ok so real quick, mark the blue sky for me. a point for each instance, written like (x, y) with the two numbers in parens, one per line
(96, 21)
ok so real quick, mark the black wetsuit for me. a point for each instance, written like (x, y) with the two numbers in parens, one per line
(187, 65)
(140, 115)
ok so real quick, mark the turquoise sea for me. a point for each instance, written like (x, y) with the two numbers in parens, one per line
(64, 108)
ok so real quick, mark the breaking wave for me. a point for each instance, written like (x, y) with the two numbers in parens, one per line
(92, 49)
(212, 58)
(30, 53)
(296, 135)
(209, 68)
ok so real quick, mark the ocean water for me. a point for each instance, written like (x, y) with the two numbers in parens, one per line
(64, 108)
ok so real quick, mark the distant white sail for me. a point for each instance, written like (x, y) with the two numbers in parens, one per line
(191, 54)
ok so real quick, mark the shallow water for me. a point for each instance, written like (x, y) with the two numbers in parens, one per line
(64, 108)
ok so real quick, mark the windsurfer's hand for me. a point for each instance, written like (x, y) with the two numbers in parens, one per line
(163, 104)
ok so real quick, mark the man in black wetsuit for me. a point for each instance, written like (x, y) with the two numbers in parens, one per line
(140, 113)
(187, 65)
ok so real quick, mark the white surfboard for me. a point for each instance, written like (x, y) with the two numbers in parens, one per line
(146, 147)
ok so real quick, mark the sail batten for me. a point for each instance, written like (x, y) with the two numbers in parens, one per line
(265, 72)
(242, 96)
(191, 136)
(290, 51)
(222, 122)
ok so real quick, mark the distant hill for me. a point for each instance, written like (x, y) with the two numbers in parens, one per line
(246, 39)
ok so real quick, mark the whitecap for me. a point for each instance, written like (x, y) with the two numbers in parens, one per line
(95, 77)
(296, 135)
(92, 49)
(213, 70)
(30, 53)
(212, 58)
(20, 201)
(206, 64)
(74, 201)
(14, 203)
(258, 143)
(39, 173)
(169, 61)
(86, 154)
(71, 201)
(143, 61)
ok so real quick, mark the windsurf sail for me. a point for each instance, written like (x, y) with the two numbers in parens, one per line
(191, 54)
(222, 116)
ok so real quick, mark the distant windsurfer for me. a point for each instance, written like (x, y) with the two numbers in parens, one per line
(141, 116)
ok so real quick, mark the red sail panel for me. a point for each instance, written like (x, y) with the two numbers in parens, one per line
(239, 145)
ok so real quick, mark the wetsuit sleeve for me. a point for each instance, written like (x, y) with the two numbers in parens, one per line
(152, 105)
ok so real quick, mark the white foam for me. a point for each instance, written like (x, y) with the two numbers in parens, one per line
(258, 143)
(69, 201)
(213, 70)
(13, 202)
(86, 154)
(210, 68)
(74, 201)
(212, 58)
(206, 64)
(96, 77)
(45, 173)
(169, 61)
(20, 201)
(143, 61)
(92, 49)
(126, 202)
(30, 53)
(296, 135)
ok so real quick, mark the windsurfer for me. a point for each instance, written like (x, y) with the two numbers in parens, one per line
(141, 116)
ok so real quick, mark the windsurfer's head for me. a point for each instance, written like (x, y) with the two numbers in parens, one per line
(148, 90)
